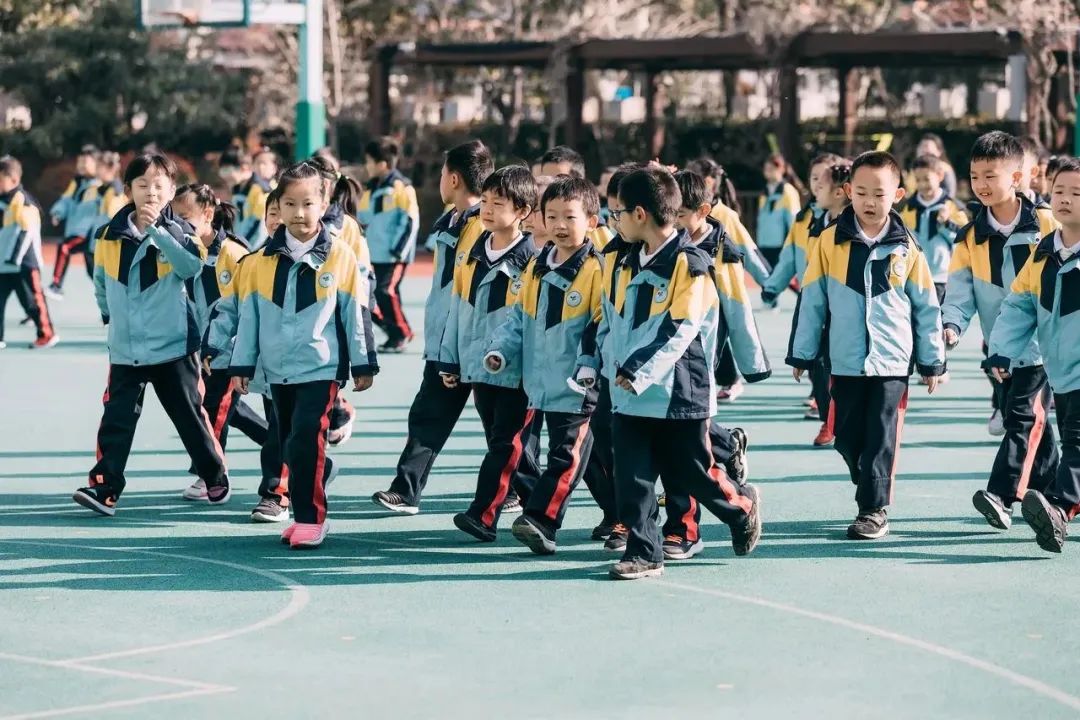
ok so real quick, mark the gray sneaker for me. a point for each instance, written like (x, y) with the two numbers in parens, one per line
(269, 511)
(1047, 520)
(745, 539)
(993, 509)
(869, 525)
(738, 467)
(636, 569)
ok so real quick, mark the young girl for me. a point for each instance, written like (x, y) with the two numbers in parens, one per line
(111, 197)
(303, 313)
(777, 208)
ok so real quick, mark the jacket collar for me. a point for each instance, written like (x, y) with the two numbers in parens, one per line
(518, 255)
(716, 240)
(7, 197)
(664, 262)
(278, 246)
(245, 187)
(915, 202)
(443, 224)
(569, 269)
(847, 228)
(215, 246)
(119, 228)
(335, 215)
(388, 181)
(1027, 222)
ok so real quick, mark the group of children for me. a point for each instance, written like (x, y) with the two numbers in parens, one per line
(616, 321)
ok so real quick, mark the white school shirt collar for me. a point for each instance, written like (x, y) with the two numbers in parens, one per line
(1005, 230)
(647, 257)
(872, 240)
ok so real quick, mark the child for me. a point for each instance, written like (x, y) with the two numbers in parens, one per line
(143, 258)
(931, 144)
(559, 297)
(20, 254)
(252, 179)
(934, 218)
(656, 343)
(302, 312)
(989, 254)
(437, 408)
(869, 284)
(1043, 302)
(534, 224)
(1030, 179)
(391, 218)
(487, 283)
(561, 160)
(77, 209)
(110, 196)
(777, 208)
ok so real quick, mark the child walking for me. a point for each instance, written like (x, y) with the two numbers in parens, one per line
(777, 208)
(77, 210)
(934, 218)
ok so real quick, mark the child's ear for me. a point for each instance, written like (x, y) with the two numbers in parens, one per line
(593, 221)
(705, 209)
(900, 193)
(1018, 177)
(847, 190)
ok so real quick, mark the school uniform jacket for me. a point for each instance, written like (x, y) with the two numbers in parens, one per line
(984, 265)
(391, 218)
(217, 275)
(755, 262)
(658, 329)
(20, 234)
(249, 197)
(792, 261)
(776, 213)
(451, 241)
(600, 237)
(936, 238)
(77, 208)
(882, 310)
(307, 320)
(110, 199)
(139, 284)
(541, 335)
(1044, 301)
(219, 337)
(482, 296)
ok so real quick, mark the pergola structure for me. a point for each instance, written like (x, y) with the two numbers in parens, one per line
(841, 51)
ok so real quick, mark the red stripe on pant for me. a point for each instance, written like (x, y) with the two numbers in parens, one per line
(223, 413)
(209, 425)
(689, 522)
(504, 477)
(282, 489)
(39, 300)
(562, 488)
(830, 417)
(97, 439)
(1034, 440)
(901, 413)
(63, 258)
(319, 496)
(719, 476)
(395, 301)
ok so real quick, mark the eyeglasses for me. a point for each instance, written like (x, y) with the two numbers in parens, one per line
(617, 214)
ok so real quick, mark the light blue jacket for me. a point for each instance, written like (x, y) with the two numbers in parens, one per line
(792, 260)
(213, 282)
(78, 207)
(776, 214)
(20, 233)
(451, 244)
(250, 200)
(936, 238)
(139, 283)
(879, 301)
(391, 218)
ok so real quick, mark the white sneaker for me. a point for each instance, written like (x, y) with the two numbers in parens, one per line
(342, 434)
(196, 491)
(996, 425)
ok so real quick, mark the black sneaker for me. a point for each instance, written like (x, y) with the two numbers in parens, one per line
(534, 535)
(511, 506)
(269, 510)
(394, 502)
(477, 529)
(395, 346)
(54, 292)
(603, 530)
(993, 509)
(676, 547)
(616, 541)
(745, 539)
(99, 498)
(869, 525)
(1046, 519)
(218, 494)
(635, 569)
(738, 467)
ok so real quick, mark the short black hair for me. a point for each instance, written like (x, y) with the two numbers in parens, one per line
(929, 162)
(273, 198)
(90, 150)
(564, 154)
(10, 167)
(936, 139)
(1032, 147)
(472, 161)
(513, 182)
(618, 174)
(692, 187)
(568, 188)
(138, 167)
(997, 145)
(1053, 164)
(385, 149)
(1066, 164)
(655, 191)
(234, 157)
(876, 160)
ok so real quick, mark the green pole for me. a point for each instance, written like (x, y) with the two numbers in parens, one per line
(310, 109)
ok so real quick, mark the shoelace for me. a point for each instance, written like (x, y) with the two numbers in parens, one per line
(674, 539)
(618, 529)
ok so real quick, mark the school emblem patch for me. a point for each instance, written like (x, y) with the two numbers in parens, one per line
(326, 280)
(224, 277)
(898, 266)
(660, 295)
(515, 287)
(459, 259)
(573, 299)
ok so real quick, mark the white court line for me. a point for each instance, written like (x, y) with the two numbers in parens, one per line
(125, 674)
(75, 709)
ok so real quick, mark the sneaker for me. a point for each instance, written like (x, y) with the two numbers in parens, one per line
(477, 529)
(342, 419)
(45, 342)
(1049, 522)
(512, 506)
(825, 436)
(269, 511)
(616, 541)
(811, 413)
(869, 525)
(54, 292)
(287, 533)
(395, 346)
(996, 425)
(809, 401)
(661, 499)
(738, 466)
(195, 491)
(308, 535)
(98, 498)
(3, 345)
(635, 569)
(746, 538)
(394, 502)
(534, 535)
(331, 477)
(218, 494)
(676, 547)
(993, 509)
(730, 393)
(603, 530)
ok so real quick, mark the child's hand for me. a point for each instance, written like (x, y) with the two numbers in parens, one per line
(931, 382)
(999, 374)
(943, 216)
(493, 362)
(624, 382)
(360, 383)
(241, 384)
(146, 216)
(797, 373)
(952, 339)
(450, 381)
(206, 366)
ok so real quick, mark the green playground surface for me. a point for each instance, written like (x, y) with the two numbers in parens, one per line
(179, 610)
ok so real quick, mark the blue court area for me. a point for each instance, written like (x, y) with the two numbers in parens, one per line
(179, 610)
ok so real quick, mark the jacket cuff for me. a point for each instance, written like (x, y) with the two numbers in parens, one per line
(799, 363)
(364, 370)
(104, 319)
(244, 371)
(448, 368)
(768, 297)
(502, 362)
(589, 361)
(758, 377)
(936, 370)
(997, 361)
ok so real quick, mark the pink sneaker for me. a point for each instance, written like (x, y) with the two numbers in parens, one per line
(287, 533)
(308, 535)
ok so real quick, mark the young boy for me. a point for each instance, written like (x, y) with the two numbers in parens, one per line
(934, 218)
(989, 254)
(252, 179)
(143, 257)
(391, 219)
(1044, 302)
(436, 408)
(869, 284)
(559, 297)
(534, 224)
(656, 344)
(77, 210)
(1031, 169)
(20, 254)
(561, 160)
(487, 283)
